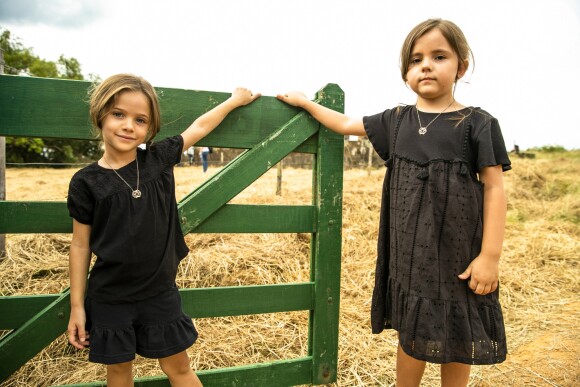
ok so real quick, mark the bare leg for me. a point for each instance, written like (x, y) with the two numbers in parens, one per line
(409, 370)
(455, 374)
(120, 375)
(178, 370)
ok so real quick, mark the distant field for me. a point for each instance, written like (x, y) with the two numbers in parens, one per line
(540, 279)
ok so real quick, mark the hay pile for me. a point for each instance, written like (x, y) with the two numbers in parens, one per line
(539, 274)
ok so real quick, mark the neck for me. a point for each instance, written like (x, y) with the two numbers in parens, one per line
(438, 105)
(116, 160)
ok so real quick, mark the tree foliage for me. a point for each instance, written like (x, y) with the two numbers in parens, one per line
(21, 60)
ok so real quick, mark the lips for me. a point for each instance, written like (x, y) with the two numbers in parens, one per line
(126, 138)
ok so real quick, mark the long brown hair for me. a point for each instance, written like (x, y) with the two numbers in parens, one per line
(450, 31)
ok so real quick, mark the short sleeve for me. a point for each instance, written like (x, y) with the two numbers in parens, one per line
(168, 150)
(489, 145)
(80, 202)
(377, 128)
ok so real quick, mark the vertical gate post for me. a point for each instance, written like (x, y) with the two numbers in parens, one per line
(326, 244)
(2, 168)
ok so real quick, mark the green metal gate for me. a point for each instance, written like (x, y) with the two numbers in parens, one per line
(269, 130)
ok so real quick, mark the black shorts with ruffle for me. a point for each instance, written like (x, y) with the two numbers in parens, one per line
(153, 328)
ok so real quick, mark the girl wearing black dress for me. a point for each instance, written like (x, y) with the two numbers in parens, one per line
(442, 216)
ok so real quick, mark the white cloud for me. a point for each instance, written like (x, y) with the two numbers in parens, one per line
(62, 13)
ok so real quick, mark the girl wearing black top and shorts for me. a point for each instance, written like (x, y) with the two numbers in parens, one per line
(125, 213)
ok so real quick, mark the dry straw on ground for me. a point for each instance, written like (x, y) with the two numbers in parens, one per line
(539, 274)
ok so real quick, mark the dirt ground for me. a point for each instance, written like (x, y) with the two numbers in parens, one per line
(551, 358)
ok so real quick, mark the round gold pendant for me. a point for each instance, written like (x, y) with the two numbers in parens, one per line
(136, 194)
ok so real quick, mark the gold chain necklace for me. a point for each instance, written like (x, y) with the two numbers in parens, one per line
(136, 193)
(423, 129)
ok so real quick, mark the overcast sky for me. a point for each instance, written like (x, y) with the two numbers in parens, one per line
(527, 52)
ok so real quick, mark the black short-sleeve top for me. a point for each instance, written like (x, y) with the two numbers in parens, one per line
(138, 242)
(486, 146)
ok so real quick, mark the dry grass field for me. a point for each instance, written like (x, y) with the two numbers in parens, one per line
(539, 275)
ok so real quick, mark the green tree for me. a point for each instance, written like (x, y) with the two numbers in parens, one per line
(22, 60)
(70, 68)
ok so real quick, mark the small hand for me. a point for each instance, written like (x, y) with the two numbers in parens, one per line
(482, 274)
(242, 96)
(77, 336)
(294, 98)
(79, 341)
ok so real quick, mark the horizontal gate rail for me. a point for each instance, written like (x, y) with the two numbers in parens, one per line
(279, 373)
(198, 303)
(57, 108)
(52, 217)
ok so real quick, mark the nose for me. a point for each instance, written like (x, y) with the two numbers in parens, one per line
(128, 124)
(426, 64)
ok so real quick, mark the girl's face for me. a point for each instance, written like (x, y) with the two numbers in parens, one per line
(433, 68)
(126, 126)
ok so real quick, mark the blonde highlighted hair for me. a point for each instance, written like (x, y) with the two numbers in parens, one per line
(104, 96)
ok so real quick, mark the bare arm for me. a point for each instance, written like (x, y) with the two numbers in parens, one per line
(207, 122)
(80, 256)
(484, 269)
(335, 121)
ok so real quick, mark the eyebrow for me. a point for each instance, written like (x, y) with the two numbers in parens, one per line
(437, 51)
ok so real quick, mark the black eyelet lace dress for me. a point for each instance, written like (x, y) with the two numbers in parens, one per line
(430, 229)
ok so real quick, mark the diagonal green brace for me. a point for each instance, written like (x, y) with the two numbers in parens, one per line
(23, 344)
(244, 170)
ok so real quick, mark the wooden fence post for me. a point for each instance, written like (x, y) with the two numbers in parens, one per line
(279, 179)
(327, 244)
(2, 169)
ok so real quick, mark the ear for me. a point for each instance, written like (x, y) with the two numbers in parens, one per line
(463, 66)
